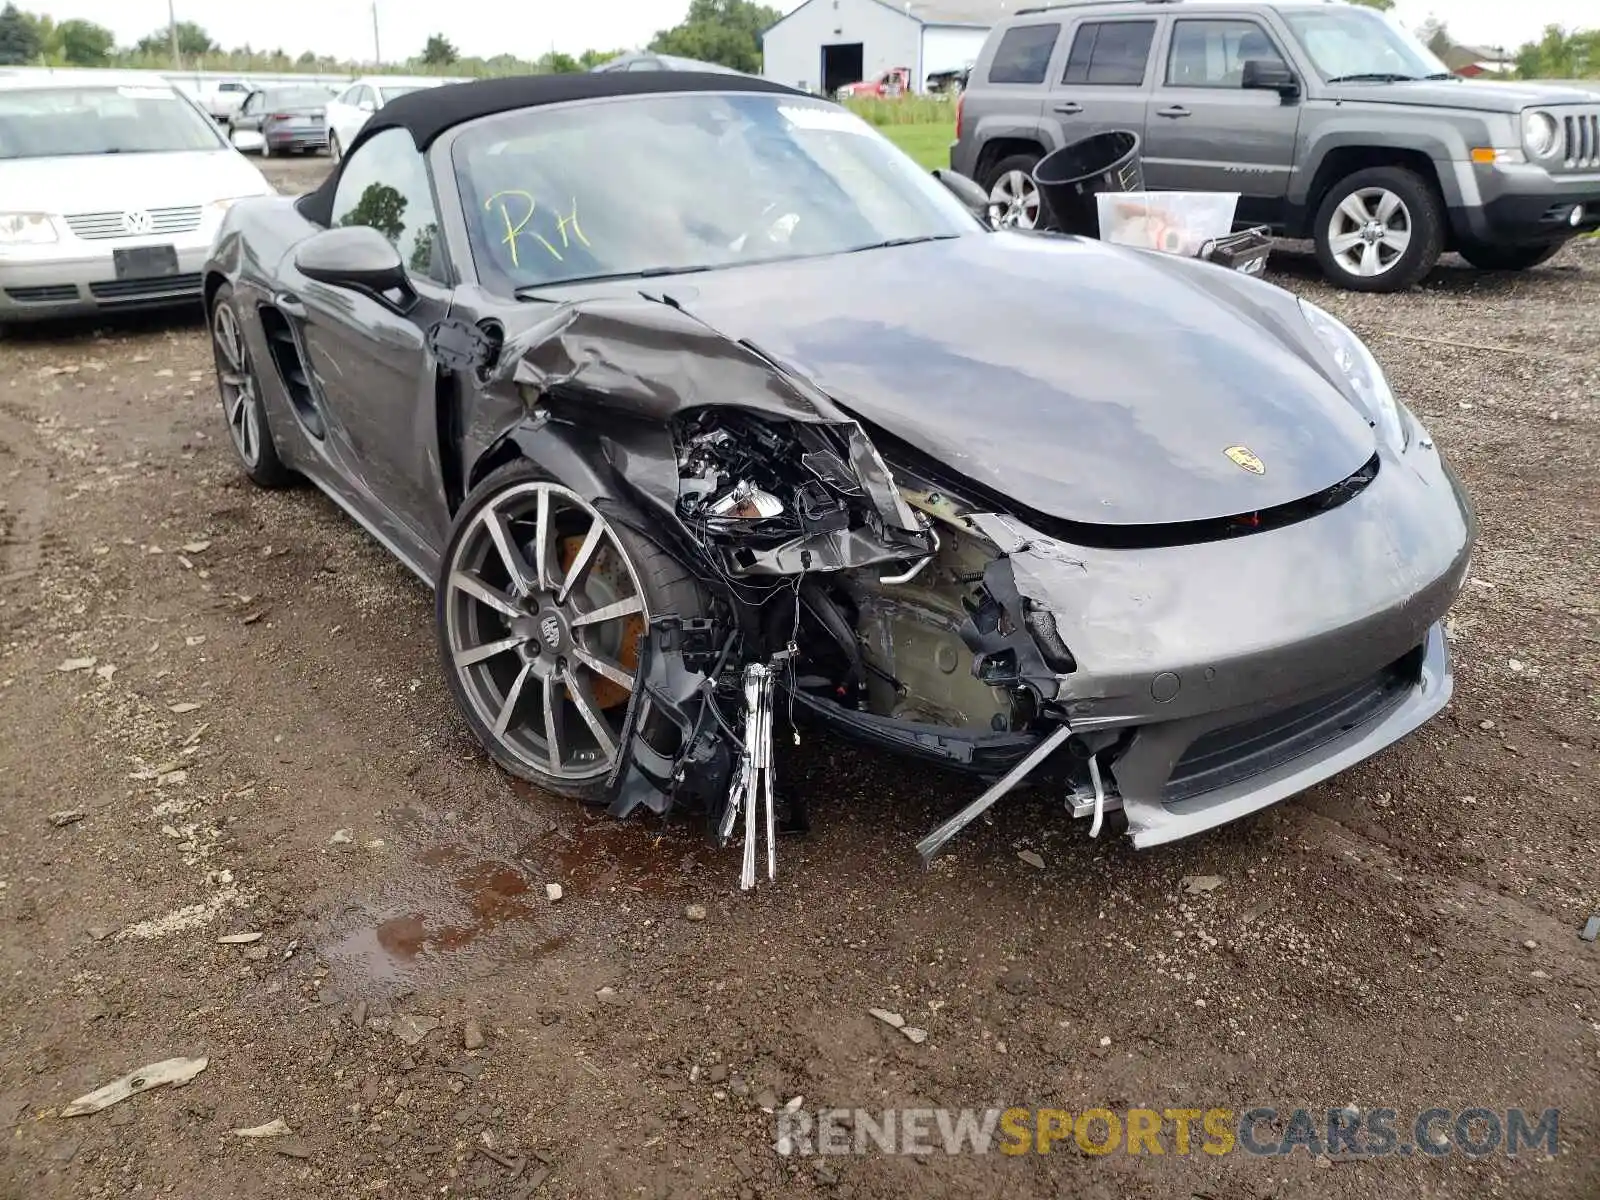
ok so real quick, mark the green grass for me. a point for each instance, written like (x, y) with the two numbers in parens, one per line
(928, 144)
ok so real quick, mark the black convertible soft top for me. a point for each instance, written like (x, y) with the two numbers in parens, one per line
(429, 112)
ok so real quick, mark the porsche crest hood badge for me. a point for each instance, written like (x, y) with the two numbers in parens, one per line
(1243, 456)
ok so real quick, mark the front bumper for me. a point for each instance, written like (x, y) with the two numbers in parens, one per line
(1216, 679)
(1242, 768)
(1525, 205)
(77, 278)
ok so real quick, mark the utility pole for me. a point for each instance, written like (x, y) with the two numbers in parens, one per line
(377, 52)
(172, 35)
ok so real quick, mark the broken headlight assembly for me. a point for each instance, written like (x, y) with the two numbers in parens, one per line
(1362, 370)
(775, 497)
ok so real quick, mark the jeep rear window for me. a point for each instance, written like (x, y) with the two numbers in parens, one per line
(1023, 55)
(1110, 52)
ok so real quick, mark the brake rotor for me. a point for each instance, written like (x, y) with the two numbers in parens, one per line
(608, 582)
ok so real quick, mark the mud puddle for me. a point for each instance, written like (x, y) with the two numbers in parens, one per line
(452, 910)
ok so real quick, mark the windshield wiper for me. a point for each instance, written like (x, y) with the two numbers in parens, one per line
(903, 241)
(1374, 77)
(1442, 75)
(531, 291)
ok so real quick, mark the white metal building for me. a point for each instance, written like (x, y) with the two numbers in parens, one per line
(824, 44)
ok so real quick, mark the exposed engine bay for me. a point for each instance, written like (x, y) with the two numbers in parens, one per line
(853, 593)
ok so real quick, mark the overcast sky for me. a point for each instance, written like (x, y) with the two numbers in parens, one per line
(488, 27)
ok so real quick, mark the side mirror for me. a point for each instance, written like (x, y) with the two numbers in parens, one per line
(968, 192)
(353, 256)
(1270, 75)
(367, 106)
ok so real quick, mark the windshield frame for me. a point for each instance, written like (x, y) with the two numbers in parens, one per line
(198, 117)
(1393, 31)
(442, 168)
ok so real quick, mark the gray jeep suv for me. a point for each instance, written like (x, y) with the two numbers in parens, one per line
(1331, 121)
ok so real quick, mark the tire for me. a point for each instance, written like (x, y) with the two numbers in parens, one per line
(335, 151)
(1397, 244)
(266, 147)
(1018, 210)
(239, 388)
(536, 647)
(1509, 258)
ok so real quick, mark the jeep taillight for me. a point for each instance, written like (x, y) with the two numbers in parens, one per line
(961, 102)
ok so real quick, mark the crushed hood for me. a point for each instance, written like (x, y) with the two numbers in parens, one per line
(1089, 383)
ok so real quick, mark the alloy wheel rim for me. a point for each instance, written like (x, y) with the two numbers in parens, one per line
(1370, 232)
(1018, 200)
(543, 616)
(237, 383)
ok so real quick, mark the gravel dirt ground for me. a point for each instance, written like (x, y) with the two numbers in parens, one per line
(223, 715)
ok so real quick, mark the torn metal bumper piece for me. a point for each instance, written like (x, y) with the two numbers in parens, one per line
(930, 846)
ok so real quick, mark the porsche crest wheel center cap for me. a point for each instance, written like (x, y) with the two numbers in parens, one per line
(550, 630)
(550, 627)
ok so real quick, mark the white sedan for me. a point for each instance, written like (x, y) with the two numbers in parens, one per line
(111, 190)
(348, 112)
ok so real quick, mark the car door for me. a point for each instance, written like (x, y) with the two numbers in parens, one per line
(341, 112)
(1207, 132)
(251, 112)
(370, 359)
(1100, 80)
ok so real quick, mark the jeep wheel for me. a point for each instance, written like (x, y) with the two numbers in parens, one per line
(1012, 191)
(1379, 230)
(1509, 258)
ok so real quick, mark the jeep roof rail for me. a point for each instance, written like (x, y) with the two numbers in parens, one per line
(1041, 8)
(1060, 4)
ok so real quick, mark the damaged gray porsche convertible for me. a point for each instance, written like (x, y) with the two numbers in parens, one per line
(702, 408)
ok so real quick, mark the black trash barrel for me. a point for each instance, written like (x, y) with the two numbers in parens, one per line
(1070, 178)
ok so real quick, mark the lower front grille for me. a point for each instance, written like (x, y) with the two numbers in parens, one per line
(144, 289)
(1237, 752)
(52, 293)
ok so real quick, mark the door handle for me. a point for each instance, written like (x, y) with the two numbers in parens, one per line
(1070, 107)
(289, 303)
(1176, 111)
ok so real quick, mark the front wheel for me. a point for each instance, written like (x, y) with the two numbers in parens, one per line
(266, 147)
(335, 151)
(542, 607)
(1509, 258)
(240, 389)
(1379, 230)
(1013, 195)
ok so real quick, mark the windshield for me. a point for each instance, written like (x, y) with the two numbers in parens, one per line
(52, 122)
(1348, 41)
(655, 184)
(303, 97)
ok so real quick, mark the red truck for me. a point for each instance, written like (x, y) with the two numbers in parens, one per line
(896, 81)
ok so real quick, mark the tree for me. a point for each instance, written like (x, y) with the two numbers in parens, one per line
(556, 63)
(1380, 5)
(439, 52)
(1435, 34)
(85, 44)
(720, 31)
(591, 59)
(382, 207)
(19, 37)
(193, 42)
(1561, 55)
